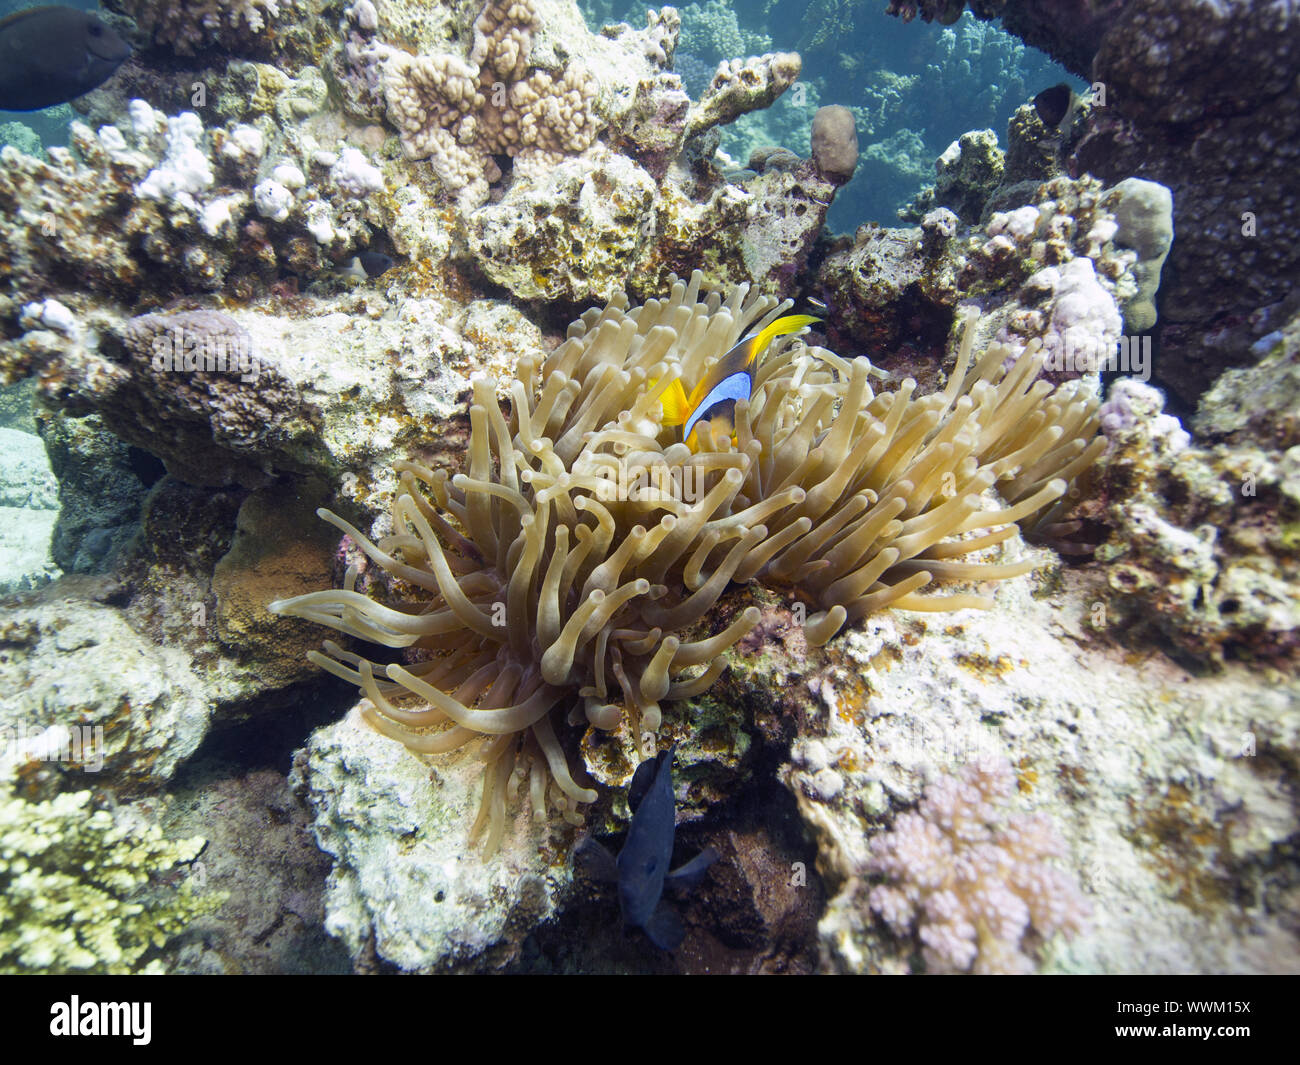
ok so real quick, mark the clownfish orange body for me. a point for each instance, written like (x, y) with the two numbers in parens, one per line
(713, 401)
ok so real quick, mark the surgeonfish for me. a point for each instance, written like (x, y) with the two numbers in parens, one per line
(712, 402)
(50, 55)
(641, 868)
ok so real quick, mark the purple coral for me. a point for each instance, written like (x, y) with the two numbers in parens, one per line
(972, 881)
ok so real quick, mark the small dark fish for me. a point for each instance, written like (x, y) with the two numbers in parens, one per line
(641, 868)
(375, 263)
(367, 265)
(1054, 104)
(50, 55)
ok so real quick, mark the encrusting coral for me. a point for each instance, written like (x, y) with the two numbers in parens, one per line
(566, 569)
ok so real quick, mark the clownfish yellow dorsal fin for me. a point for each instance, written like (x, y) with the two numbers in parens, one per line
(791, 323)
(743, 358)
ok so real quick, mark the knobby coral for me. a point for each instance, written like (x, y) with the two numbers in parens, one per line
(461, 113)
(972, 880)
(565, 569)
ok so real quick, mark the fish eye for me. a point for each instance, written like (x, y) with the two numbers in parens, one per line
(650, 867)
(96, 29)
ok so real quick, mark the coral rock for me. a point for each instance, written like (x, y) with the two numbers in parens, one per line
(835, 143)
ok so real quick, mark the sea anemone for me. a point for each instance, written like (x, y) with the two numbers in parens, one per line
(568, 569)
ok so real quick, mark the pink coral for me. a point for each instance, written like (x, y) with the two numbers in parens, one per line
(972, 881)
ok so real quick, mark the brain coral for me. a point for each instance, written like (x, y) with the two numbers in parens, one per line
(568, 569)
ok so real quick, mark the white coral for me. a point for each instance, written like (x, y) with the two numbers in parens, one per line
(184, 171)
(970, 881)
(355, 176)
(272, 200)
(50, 314)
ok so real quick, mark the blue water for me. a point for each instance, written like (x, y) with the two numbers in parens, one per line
(914, 88)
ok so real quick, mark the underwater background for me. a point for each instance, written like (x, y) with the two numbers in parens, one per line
(393, 459)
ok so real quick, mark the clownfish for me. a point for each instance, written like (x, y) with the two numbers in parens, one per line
(713, 400)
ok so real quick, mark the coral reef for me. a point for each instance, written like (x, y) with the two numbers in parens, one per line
(971, 880)
(237, 25)
(1049, 271)
(441, 104)
(571, 234)
(159, 204)
(1224, 144)
(966, 174)
(713, 31)
(301, 257)
(1166, 786)
(275, 188)
(1203, 547)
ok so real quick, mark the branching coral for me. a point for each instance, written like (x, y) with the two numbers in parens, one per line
(73, 879)
(161, 203)
(973, 881)
(567, 567)
(740, 86)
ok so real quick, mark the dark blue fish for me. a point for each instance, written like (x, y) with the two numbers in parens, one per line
(50, 55)
(375, 263)
(367, 265)
(641, 868)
